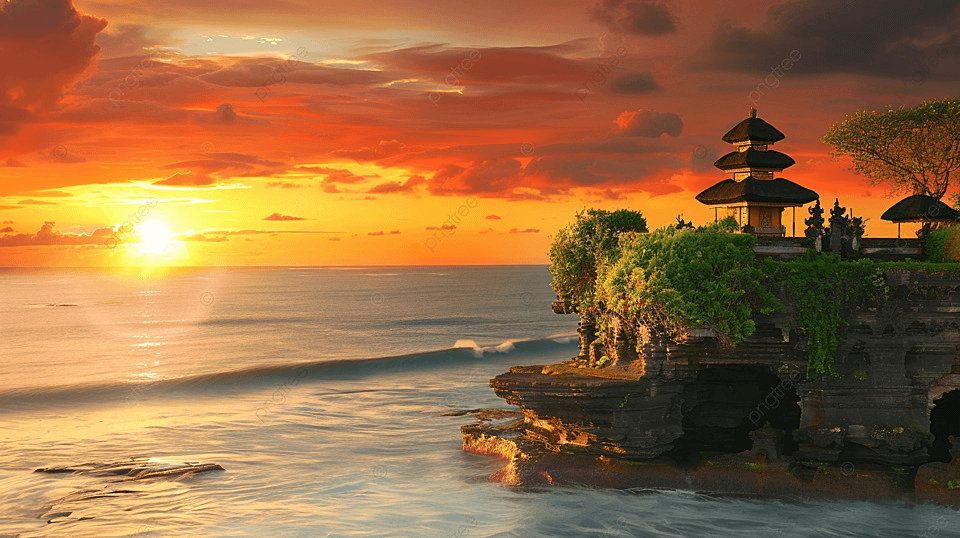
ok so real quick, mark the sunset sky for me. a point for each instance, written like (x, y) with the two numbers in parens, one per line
(407, 132)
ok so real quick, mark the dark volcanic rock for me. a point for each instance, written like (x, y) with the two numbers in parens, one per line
(893, 406)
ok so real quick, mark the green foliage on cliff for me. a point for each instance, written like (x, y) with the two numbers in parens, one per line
(582, 246)
(943, 245)
(821, 285)
(672, 280)
(676, 279)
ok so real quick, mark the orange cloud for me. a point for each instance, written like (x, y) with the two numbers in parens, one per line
(279, 217)
(188, 179)
(649, 124)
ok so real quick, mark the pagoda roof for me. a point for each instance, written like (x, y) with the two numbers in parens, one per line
(753, 158)
(754, 129)
(751, 189)
(919, 207)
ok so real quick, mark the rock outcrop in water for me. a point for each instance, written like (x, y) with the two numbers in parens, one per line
(134, 468)
(126, 474)
(689, 414)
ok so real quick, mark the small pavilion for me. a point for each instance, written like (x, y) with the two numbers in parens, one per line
(919, 208)
(753, 196)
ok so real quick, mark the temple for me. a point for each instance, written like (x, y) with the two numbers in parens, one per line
(753, 196)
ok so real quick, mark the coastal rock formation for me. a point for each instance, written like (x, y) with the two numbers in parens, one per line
(893, 408)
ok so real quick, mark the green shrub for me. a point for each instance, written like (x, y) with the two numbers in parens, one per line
(860, 374)
(582, 246)
(673, 280)
(942, 245)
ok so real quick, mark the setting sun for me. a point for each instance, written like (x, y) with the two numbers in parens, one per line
(156, 237)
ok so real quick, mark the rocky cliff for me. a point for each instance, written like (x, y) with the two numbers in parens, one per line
(892, 408)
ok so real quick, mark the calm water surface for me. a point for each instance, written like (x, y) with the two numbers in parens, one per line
(320, 391)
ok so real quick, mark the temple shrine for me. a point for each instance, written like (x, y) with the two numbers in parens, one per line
(753, 196)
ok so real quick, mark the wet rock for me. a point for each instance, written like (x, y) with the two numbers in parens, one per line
(134, 468)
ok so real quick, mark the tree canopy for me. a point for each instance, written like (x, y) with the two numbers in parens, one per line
(579, 248)
(913, 149)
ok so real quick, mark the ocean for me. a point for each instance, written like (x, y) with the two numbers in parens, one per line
(320, 391)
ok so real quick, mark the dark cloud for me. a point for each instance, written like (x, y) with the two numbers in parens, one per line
(634, 83)
(489, 177)
(454, 67)
(335, 175)
(527, 231)
(279, 217)
(492, 217)
(649, 124)
(49, 236)
(200, 172)
(11, 162)
(6, 230)
(395, 232)
(444, 227)
(226, 114)
(60, 154)
(35, 202)
(634, 17)
(888, 38)
(398, 187)
(285, 185)
(48, 194)
(46, 46)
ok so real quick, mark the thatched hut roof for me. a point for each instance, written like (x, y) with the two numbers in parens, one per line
(753, 158)
(919, 207)
(750, 189)
(755, 129)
